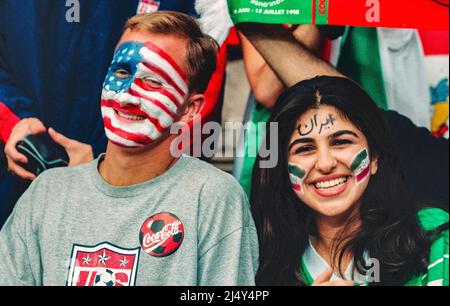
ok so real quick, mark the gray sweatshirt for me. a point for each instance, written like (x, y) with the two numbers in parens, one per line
(190, 226)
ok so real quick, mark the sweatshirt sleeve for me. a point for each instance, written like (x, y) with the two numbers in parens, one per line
(19, 248)
(228, 243)
(231, 262)
(12, 97)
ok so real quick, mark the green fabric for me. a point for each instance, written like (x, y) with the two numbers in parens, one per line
(438, 269)
(272, 11)
(253, 140)
(360, 59)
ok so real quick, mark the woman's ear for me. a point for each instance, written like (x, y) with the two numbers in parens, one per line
(374, 165)
(192, 108)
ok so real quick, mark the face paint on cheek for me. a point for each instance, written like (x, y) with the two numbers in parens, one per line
(297, 176)
(141, 95)
(360, 166)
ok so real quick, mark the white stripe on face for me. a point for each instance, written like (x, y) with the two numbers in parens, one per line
(157, 96)
(143, 127)
(147, 107)
(143, 72)
(117, 139)
(155, 59)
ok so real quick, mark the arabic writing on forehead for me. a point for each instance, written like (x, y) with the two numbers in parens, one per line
(307, 129)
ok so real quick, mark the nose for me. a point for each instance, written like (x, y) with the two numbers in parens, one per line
(326, 162)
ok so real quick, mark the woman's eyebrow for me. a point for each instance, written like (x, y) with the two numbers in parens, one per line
(301, 140)
(342, 133)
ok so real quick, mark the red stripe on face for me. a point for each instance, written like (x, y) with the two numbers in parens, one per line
(122, 145)
(167, 57)
(363, 175)
(153, 101)
(134, 111)
(163, 91)
(137, 138)
(297, 188)
(166, 77)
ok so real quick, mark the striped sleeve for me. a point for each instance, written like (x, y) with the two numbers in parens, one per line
(438, 268)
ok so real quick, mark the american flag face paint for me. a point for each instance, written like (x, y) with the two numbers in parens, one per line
(142, 93)
(361, 166)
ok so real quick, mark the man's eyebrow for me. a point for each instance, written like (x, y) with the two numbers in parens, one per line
(342, 133)
(301, 140)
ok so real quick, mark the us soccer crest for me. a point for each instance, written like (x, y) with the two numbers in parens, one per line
(103, 265)
(148, 6)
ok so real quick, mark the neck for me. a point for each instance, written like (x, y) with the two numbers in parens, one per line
(126, 167)
(331, 228)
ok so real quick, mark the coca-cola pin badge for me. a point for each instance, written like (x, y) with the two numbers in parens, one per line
(161, 235)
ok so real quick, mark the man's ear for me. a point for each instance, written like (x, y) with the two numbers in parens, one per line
(192, 108)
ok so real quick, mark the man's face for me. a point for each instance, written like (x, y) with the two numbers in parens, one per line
(145, 88)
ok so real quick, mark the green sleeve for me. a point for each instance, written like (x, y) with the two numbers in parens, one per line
(438, 268)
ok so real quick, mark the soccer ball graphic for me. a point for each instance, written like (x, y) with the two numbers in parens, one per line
(105, 278)
(161, 235)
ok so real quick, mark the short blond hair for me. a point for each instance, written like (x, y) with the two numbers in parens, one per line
(202, 49)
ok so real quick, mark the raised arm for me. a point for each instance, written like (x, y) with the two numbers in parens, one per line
(288, 57)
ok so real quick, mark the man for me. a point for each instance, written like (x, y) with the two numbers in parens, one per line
(137, 215)
(50, 70)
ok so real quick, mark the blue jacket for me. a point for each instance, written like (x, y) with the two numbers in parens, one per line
(54, 70)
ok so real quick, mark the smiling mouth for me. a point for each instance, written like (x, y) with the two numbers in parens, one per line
(128, 116)
(332, 187)
(336, 183)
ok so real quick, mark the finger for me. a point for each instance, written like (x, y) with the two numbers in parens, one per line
(326, 276)
(36, 127)
(20, 172)
(59, 138)
(12, 153)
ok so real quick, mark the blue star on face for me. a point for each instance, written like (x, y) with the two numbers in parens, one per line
(122, 71)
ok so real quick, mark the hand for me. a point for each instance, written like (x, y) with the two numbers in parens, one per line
(324, 280)
(79, 153)
(22, 129)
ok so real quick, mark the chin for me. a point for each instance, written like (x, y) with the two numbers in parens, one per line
(332, 209)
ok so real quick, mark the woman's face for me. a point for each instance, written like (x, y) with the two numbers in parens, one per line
(329, 162)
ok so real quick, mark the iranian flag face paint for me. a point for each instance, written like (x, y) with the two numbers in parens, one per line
(143, 90)
(297, 176)
(360, 166)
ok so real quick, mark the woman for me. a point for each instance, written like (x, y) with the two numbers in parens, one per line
(335, 210)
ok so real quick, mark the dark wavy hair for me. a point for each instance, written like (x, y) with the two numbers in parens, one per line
(389, 230)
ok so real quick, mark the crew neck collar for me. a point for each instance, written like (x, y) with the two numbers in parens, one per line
(133, 190)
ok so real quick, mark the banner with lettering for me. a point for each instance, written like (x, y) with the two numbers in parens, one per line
(418, 14)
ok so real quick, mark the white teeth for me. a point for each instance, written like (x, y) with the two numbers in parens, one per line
(130, 117)
(331, 184)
